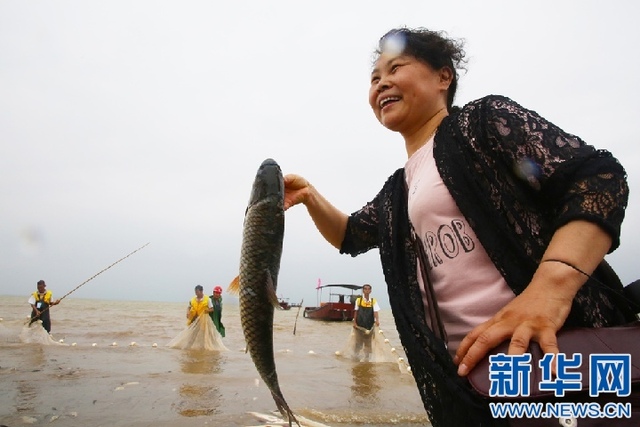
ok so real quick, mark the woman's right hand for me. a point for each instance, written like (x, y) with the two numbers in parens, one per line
(296, 190)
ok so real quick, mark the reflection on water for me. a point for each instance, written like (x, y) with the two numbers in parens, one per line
(199, 400)
(27, 391)
(200, 362)
(36, 357)
(200, 396)
(365, 384)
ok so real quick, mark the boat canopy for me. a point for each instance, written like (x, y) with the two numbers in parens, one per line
(341, 285)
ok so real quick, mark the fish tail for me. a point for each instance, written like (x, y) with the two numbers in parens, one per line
(284, 409)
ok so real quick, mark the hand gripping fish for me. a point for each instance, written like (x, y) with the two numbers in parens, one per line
(258, 279)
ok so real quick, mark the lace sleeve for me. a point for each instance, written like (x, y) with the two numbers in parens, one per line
(572, 179)
(362, 231)
(363, 226)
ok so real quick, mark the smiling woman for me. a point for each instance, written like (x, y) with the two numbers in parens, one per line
(128, 122)
(400, 104)
(489, 192)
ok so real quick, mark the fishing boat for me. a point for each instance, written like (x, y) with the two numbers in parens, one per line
(284, 303)
(339, 306)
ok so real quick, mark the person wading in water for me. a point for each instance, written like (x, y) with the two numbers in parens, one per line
(366, 316)
(40, 302)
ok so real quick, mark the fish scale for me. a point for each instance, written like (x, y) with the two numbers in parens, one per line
(262, 237)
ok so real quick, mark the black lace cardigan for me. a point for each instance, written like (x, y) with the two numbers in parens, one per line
(516, 178)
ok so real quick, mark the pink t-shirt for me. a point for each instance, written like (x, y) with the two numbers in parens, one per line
(469, 289)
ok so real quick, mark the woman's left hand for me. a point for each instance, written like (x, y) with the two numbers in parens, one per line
(532, 316)
(542, 308)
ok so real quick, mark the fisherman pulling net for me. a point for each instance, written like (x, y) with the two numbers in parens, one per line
(200, 334)
(41, 304)
(362, 345)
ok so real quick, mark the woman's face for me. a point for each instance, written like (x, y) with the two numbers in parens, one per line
(405, 92)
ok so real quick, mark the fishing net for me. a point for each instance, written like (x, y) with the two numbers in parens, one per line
(371, 346)
(201, 334)
(36, 334)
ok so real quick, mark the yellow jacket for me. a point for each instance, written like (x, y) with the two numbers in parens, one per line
(198, 308)
(46, 298)
(361, 302)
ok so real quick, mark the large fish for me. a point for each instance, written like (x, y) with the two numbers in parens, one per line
(258, 279)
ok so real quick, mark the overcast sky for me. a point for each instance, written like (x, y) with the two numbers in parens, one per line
(127, 122)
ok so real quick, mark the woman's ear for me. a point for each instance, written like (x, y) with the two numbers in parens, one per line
(446, 77)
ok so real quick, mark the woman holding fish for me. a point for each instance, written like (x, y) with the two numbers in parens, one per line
(486, 230)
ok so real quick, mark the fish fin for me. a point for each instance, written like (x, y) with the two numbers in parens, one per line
(234, 286)
(271, 292)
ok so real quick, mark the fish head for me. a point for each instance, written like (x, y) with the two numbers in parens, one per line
(268, 182)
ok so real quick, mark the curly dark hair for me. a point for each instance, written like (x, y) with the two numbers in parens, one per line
(434, 48)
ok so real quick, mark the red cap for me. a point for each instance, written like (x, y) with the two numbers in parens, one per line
(217, 289)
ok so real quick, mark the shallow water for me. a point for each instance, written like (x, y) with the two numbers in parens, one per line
(89, 381)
